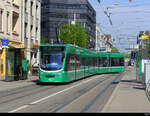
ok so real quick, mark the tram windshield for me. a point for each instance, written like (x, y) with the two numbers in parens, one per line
(51, 60)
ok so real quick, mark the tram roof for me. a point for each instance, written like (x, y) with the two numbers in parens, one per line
(87, 51)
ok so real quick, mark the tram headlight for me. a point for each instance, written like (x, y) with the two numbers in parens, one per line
(58, 74)
(42, 73)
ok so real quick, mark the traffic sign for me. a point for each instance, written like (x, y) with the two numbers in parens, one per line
(4, 43)
(144, 37)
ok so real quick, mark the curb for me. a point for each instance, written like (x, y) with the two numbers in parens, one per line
(106, 106)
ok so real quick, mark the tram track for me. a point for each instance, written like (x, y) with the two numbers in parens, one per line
(21, 92)
(82, 93)
(26, 96)
(76, 84)
(87, 107)
(29, 88)
(8, 97)
(63, 108)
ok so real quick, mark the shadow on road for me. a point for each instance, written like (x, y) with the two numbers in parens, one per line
(128, 81)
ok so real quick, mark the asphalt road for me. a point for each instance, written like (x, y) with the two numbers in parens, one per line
(86, 95)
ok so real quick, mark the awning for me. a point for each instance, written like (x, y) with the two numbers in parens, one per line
(34, 46)
(16, 45)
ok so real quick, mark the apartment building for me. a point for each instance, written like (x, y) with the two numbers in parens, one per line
(103, 41)
(100, 40)
(31, 20)
(20, 24)
(109, 43)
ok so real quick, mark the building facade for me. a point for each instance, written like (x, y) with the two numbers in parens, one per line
(14, 24)
(31, 29)
(58, 12)
(109, 43)
(103, 41)
(10, 28)
(100, 40)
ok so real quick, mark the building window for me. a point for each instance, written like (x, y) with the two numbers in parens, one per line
(37, 10)
(36, 33)
(1, 19)
(8, 22)
(65, 6)
(15, 22)
(26, 27)
(31, 11)
(31, 31)
(26, 5)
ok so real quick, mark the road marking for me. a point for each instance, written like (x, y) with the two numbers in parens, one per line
(20, 108)
(42, 99)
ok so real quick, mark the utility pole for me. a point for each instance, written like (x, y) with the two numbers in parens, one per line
(73, 23)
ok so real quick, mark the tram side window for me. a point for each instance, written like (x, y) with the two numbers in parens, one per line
(73, 62)
(95, 62)
(84, 61)
(70, 63)
(92, 62)
(78, 62)
(100, 62)
(88, 61)
(115, 61)
(121, 61)
(108, 62)
(105, 62)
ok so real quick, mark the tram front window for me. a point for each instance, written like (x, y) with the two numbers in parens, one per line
(51, 60)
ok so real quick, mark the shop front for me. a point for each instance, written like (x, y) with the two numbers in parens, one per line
(11, 60)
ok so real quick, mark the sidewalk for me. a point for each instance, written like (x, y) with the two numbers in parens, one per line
(129, 96)
(15, 84)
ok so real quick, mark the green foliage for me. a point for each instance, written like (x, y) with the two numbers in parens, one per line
(127, 56)
(43, 40)
(74, 34)
(114, 49)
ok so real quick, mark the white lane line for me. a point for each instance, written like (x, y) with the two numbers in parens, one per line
(20, 108)
(35, 102)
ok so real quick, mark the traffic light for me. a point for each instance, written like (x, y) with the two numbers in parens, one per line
(133, 54)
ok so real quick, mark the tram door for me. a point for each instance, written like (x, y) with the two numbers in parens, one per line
(11, 64)
(71, 67)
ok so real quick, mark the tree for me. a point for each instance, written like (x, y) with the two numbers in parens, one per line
(128, 56)
(43, 40)
(74, 34)
(114, 49)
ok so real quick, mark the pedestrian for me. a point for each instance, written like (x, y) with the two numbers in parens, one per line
(18, 72)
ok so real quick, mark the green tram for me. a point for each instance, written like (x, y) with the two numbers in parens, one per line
(66, 63)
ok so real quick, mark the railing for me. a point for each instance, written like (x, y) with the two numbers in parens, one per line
(147, 90)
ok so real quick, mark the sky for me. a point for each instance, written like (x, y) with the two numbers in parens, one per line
(128, 18)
